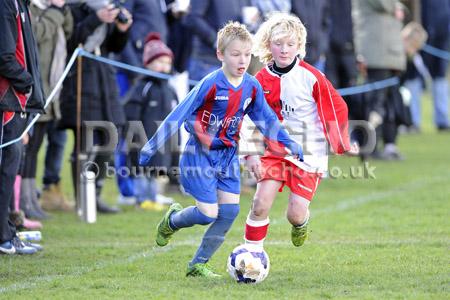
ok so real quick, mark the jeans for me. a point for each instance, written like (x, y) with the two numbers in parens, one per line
(415, 88)
(55, 153)
(9, 167)
(440, 100)
(145, 188)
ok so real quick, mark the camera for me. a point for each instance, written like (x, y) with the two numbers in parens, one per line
(121, 17)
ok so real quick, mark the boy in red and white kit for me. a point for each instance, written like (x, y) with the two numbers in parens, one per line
(314, 114)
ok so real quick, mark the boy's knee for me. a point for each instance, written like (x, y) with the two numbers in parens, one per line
(204, 219)
(228, 211)
(259, 209)
(207, 213)
(298, 216)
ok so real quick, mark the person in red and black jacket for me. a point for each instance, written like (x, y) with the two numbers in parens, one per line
(21, 93)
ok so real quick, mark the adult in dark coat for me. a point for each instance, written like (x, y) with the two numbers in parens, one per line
(340, 66)
(100, 33)
(148, 16)
(204, 20)
(315, 14)
(21, 93)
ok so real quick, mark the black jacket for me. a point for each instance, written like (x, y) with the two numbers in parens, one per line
(19, 66)
(99, 96)
(315, 15)
(205, 20)
(150, 101)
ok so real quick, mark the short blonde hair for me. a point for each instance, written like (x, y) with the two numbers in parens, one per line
(230, 32)
(279, 25)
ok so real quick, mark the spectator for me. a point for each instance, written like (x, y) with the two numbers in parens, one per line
(315, 14)
(53, 24)
(148, 16)
(380, 50)
(180, 39)
(150, 101)
(204, 20)
(436, 21)
(20, 94)
(97, 28)
(340, 66)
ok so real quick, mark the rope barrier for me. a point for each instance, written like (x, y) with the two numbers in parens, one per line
(128, 67)
(436, 52)
(368, 87)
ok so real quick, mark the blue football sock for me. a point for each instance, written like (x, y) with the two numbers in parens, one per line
(188, 217)
(215, 235)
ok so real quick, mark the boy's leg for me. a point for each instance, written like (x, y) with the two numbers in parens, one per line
(298, 216)
(228, 191)
(203, 187)
(303, 186)
(177, 218)
(257, 223)
(215, 235)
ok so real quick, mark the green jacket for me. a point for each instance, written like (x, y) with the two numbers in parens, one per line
(47, 26)
(377, 34)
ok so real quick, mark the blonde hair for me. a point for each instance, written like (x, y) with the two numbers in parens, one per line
(230, 32)
(279, 25)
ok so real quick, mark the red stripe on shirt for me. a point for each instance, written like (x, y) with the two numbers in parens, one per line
(236, 136)
(203, 116)
(272, 88)
(332, 111)
(234, 102)
(20, 56)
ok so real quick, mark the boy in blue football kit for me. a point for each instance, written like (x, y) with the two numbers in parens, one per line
(209, 168)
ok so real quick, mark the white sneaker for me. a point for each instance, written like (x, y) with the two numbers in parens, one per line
(161, 199)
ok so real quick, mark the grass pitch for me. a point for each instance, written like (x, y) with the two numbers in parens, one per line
(371, 238)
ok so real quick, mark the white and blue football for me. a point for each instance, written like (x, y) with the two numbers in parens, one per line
(248, 264)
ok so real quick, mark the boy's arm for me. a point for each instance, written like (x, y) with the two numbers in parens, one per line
(172, 123)
(333, 114)
(267, 122)
(10, 68)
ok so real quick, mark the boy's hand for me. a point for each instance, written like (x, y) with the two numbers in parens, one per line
(296, 151)
(25, 139)
(253, 164)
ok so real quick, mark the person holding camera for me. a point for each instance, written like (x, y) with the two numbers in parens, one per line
(102, 28)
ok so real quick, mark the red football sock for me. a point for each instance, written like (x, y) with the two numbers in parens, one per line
(256, 231)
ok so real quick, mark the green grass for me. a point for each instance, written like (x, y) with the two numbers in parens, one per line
(383, 238)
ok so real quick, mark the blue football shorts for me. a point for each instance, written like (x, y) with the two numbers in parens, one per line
(203, 172)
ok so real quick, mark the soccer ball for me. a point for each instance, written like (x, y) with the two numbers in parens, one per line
(248, 264)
